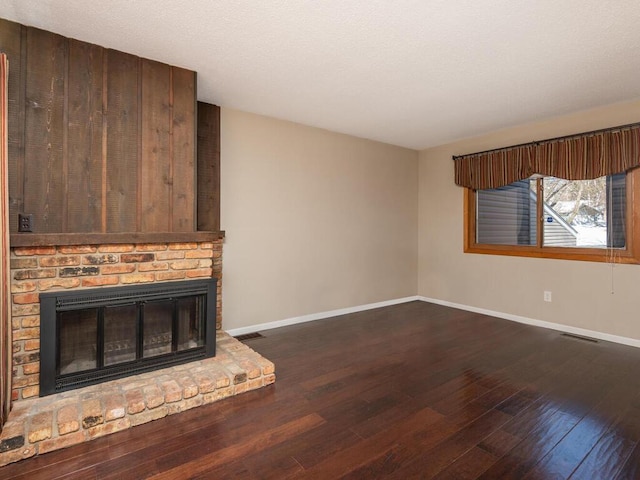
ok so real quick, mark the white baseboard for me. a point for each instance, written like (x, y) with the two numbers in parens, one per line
(317, 316)
(632, 342)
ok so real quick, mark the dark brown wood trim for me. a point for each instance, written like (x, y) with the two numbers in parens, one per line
(55, 239)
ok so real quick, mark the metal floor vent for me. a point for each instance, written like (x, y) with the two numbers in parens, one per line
(579, 337)
(248, 336)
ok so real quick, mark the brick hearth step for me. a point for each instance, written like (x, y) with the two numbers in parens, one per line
(41, 425)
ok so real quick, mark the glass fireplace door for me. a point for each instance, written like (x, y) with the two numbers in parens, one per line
(77, 337)
(93, 335)
(120, 334)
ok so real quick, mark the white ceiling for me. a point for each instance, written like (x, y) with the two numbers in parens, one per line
(416, 73)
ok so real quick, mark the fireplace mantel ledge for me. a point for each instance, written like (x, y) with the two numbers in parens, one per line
(58, 239)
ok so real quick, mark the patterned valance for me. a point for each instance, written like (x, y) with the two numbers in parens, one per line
(576, 157)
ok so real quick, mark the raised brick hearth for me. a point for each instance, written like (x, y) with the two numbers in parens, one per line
(41, 424)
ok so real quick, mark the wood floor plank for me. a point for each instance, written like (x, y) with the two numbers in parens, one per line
(555, 419)
(606, 458)
(468, 466)
(430, 462)
(307, 449)
(499, 443)
(424, 424)
(415, 390)
(386, 419)
(519, 461)
(59, 463)
(235, 452)
(631, 468)
(567, 455)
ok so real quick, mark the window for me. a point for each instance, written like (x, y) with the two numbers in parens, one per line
(555, 218)
(517, 203)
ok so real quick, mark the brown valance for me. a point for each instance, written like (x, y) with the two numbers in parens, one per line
(576, 157)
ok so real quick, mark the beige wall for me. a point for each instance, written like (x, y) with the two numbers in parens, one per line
(315, 220)
(582, 295)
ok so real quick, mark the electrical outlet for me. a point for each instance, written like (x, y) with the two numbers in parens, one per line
(547, 296)
(25, 222)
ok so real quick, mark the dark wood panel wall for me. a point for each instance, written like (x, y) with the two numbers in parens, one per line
(12, 43)
(208, 167)
(101, 141)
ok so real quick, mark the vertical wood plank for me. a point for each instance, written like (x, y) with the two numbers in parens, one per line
(184, 150)
(44, 133)
(140, 151)
(77, 138)
(122, 141)
(156, 163)
(208, 167)
(64, 185)
(84, 196)
(5, 281)
(13, 43)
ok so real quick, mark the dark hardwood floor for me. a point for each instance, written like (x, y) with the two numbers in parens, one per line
(410, 391)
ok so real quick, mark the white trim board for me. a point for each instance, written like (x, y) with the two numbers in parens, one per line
(317, 316)
(632, 342)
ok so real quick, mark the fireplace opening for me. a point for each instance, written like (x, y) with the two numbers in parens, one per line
(91, 336)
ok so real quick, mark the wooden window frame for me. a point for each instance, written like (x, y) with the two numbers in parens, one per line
(629, 254)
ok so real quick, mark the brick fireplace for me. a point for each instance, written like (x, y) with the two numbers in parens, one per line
(45, 269)
(115, 184)
(37, 424)
(42, 424)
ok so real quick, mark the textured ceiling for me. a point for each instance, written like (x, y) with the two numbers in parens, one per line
(412, 73)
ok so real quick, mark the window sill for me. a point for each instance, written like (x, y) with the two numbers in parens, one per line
(558, 253)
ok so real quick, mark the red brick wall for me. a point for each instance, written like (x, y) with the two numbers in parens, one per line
(40, 269)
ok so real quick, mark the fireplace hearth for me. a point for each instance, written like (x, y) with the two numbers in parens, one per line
(95, 335)
(79, 277)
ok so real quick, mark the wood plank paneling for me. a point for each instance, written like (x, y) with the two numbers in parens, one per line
(208, 158)
(45, 130)
(84, 177)
(184, 150)
(12, 43)
(122, 141)
(155, 184)
(102, 141)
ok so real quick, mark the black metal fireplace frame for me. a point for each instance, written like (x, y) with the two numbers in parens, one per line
(54, 302)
